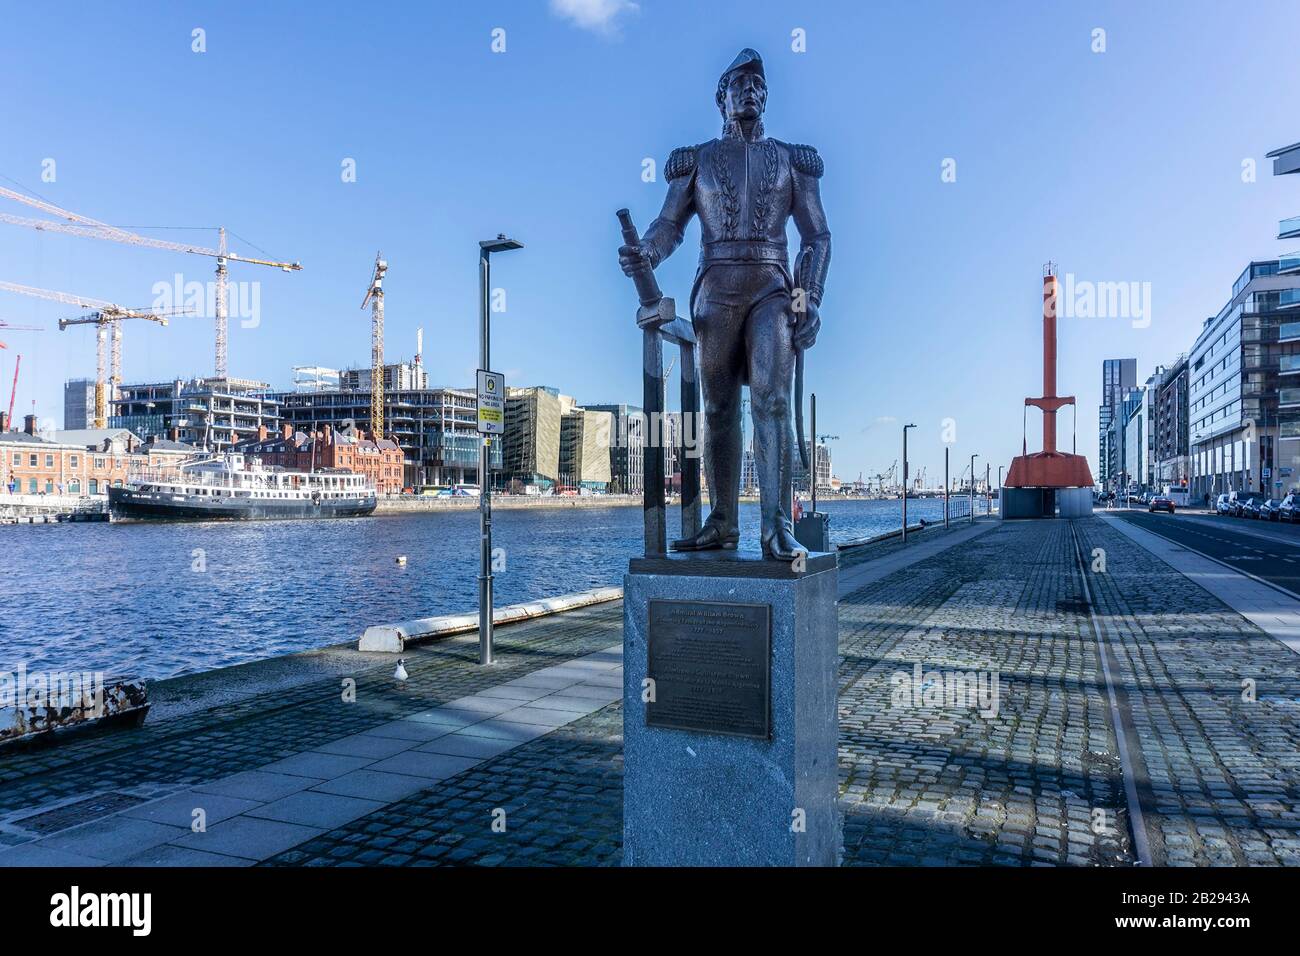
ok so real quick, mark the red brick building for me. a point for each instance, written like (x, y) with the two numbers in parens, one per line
(79, 462)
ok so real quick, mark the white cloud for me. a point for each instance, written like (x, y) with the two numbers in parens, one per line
(598, 16)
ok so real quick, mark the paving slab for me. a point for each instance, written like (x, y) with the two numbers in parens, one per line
(366, 745)
(540, 716)
(505, 730)
(563, 702)
(464, 745)
(259, 785)
(169, 855)
(112, 839)
(316, 809)
(376, 784)
(416, 728)
(38, 854)
(178, 809)
(317, 765)
(249, 837)
(477, 704)
(427, 765)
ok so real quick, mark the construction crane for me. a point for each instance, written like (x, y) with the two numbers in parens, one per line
(9, 420)
(104, 320)
(17, 328)
(78, 225)
(105, 314)
(375, 299)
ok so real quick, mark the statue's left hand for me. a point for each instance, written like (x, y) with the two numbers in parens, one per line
(806, 326)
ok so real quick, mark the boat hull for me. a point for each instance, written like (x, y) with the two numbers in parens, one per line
(129, 503)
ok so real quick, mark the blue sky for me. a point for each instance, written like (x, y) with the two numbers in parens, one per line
(1124, 165)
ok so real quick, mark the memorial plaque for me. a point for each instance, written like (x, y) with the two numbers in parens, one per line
(711, 664)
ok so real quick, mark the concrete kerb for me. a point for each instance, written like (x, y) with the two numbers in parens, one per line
(395, 638)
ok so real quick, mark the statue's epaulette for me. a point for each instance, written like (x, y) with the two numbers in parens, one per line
(681, 162)
(806, 160)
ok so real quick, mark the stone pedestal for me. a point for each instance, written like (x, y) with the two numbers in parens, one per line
(733, 763)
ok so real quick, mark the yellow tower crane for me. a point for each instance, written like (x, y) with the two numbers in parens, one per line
(78, 225)
(375, 299)
(107, 316)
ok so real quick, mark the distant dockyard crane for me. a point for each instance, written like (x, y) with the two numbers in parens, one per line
(17, 328)
(105, 314)
(78, 225)
(887, 475)
(375, 299)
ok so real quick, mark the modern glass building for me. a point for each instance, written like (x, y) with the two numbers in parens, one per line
(1244, 385)
(1117, 377)
(627, 447)
(79, 403)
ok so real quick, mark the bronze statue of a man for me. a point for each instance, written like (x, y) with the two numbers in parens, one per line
(750, 316)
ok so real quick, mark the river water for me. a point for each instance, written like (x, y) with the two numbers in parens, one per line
(161, 599)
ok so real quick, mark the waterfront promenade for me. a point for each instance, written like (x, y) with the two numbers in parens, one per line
(1138, 717)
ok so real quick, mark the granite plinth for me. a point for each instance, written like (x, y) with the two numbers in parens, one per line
(711, 798)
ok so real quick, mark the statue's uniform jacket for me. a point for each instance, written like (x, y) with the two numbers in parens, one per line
(745, 192)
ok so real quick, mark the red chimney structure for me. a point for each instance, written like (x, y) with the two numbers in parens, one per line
(1048, 469)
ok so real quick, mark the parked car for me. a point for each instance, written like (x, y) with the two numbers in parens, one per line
(1270, 509)
(1160, 503)
(1223, 505)
(1248, 507)
(1290, 509)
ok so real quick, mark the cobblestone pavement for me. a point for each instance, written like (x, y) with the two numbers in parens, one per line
(1215, 703)
(554, 802)
(216, 743)
(940, 784)
(923, 780)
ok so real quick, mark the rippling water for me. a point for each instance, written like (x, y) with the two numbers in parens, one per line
(157, 600)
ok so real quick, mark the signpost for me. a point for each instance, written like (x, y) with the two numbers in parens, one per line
(491, 403)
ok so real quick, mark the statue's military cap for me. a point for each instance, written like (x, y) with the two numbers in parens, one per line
(747, 60)
(806, 160)
(681, 162)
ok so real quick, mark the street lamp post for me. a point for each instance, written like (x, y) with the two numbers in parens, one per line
(988, 489)
(972, 488)
(486, 248)
(1000, 467)
(905, 428)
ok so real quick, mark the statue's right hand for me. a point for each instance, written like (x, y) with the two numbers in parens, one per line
(633, 258)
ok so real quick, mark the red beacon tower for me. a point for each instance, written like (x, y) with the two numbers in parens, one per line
(1038, 483)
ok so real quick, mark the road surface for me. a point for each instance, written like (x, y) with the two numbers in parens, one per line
(1268, 550)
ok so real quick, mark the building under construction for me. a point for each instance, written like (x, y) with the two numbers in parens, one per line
(206, 412)
(436, 428)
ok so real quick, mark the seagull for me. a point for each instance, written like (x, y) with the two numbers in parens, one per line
(400, 673)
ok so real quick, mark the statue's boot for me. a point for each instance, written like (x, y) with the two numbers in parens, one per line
(710, 537)
(779, 541)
